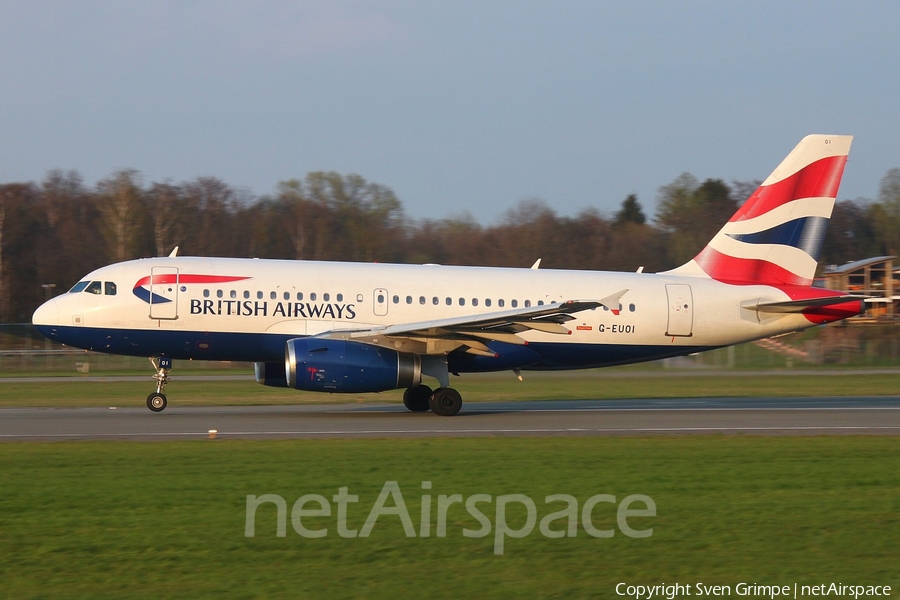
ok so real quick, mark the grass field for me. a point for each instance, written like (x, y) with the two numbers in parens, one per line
(158, 520)
(119, 519)
(599, 384)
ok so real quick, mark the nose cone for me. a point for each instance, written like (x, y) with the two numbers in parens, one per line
(46, 314)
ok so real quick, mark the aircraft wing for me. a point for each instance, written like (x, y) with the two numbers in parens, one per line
(441, 336)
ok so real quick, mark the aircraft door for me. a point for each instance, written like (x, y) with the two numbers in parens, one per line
(381, 302)
(681, 310)
(164, 293)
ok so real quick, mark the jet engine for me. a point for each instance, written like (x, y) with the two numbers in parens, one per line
(322, 365)
(271, 374)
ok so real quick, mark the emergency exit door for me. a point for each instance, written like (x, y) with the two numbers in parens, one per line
(681, 310)
(164, 293)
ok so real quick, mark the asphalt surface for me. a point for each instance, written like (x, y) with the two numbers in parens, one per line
(598, 373)
(755, 416)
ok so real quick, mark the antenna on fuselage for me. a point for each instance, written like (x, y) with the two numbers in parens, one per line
(536, 264)
(174, 252)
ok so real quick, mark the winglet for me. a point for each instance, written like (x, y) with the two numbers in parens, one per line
(612, 302)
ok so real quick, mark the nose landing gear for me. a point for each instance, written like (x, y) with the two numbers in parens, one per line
(157, 401)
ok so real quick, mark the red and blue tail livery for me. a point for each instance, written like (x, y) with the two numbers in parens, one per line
(776, 236)
(359, 327)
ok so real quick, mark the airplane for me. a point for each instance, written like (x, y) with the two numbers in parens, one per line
(358, 327)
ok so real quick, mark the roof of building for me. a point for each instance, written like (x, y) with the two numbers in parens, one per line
(856, 264)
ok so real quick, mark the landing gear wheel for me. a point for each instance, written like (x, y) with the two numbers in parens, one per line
(157, 402)
(445, 402)
(418, 398)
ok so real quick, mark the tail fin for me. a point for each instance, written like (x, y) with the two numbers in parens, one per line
(776, 236)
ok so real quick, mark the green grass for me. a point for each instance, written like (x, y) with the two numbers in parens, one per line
(601, 384)
(154, 520)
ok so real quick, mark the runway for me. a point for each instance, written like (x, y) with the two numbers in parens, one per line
(753, 416)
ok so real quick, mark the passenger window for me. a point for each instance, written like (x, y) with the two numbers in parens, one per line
(233, 294)
(540, 302)
(273, 295)
(79, 287)
(631, 307)
(340, 297)
(259, 295)
(474, 301)
(287, 295)
(487, 301)
(514, 303)
(501, 302)
(312, 296)
(449, 301)
(434, 300)
(299, 295)
(527, 303)
(111, 288)
(396, 299)
(409, 299)
(380, 298)
(246, 294)
(462, 301)
(219, 293)
(421, 299)
(206, 293)
(326, 297)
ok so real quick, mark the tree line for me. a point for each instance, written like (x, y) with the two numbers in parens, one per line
(55, 231)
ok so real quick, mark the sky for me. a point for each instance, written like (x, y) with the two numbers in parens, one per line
(459, 107)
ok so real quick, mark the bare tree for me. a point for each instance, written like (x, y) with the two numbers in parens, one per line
(165, 204)
(119, 202)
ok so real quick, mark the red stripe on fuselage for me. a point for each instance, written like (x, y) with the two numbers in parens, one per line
(817, 180)
(187, 278)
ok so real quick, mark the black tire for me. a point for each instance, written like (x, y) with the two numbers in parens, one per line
(157, 402)
(418, 398)
(446, 402)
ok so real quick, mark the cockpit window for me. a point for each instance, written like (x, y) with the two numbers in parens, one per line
(79, 287)
(95, 287)
(110, 288)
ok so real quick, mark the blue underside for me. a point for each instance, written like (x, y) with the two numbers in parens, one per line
(259, 347)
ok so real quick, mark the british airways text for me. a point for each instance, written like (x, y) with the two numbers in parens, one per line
(253, 308)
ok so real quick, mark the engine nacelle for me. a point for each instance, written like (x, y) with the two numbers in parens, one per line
(318, 365)
(271, 374)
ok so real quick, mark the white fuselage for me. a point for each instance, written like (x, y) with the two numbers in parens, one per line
(244, 309)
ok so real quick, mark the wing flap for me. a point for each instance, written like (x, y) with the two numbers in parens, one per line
(471, 331)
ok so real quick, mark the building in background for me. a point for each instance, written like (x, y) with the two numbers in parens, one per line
(876, 277)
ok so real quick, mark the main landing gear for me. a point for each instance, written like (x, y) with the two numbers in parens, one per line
(417, 398)
(444, 401)
(157, 401)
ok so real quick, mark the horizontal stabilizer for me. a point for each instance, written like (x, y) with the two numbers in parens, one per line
(798, 306)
